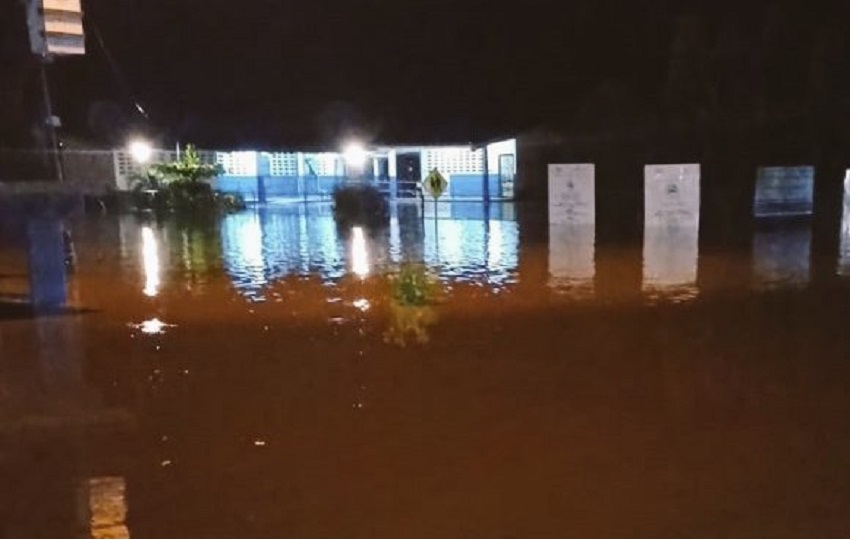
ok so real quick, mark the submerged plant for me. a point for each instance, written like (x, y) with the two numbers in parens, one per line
(413, 295)
(413, 285)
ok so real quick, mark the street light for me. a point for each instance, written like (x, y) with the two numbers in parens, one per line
(141, 151)
(355, 154)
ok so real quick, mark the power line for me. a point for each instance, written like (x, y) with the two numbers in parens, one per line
(116, 70)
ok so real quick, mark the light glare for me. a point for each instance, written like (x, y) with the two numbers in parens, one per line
(355, 154)
(141, 151)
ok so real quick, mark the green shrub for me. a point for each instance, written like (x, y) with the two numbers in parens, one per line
(183, 186)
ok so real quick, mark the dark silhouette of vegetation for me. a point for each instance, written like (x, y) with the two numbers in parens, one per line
(360, 204)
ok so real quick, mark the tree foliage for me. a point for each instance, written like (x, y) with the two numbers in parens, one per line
(187, 168)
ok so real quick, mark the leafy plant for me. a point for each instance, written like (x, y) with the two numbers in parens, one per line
(414, 292)
(182, 186)
(413, 285)
(188, 168)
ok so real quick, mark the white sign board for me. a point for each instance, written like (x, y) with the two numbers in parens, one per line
(844, 255)
(672, 195)
(671, 227)
(572, 264)
(784, 191)
(572, 194)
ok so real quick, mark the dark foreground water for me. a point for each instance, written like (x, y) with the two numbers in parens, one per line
(254, 377)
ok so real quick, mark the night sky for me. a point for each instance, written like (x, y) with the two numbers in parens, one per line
(279, 73)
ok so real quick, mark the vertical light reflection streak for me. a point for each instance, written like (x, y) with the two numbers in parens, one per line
(150, 261)
(359, 253)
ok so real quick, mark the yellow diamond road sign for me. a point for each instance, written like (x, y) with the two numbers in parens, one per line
(435, 183)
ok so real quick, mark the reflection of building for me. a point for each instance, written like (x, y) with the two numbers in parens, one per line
(670, 257)
(781, 256)
(572, 267)
(470, 241)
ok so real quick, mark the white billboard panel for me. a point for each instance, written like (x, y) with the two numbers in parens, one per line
(784, 191)
(844, 255)
(572, 194)
(671, 227)
(672, 195)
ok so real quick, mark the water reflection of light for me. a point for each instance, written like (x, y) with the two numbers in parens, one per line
(251, 238)
(494, 244)
(468, 248)
(362, 304)
(242, 239)
(296, 240)
(108, 507)
(152, 327)
(359, 253)
(150, 259)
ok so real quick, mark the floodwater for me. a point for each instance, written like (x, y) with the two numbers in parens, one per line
(254, 377)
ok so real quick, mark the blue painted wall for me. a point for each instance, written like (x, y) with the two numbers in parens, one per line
(281, 186)
(244, 185)
(472, 186)
(460, 186)
(276, 186)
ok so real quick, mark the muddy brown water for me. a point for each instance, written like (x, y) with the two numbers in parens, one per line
(240, 378)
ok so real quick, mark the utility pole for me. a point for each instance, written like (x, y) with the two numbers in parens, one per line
(50, 120)
(55, 28)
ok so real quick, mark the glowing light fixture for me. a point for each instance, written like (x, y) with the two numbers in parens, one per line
(355, 154)
(141, 151)
(150, 260)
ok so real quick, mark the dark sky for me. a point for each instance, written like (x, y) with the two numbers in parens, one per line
(292, 71)
(285, 72)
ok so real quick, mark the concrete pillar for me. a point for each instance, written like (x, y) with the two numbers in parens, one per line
(46, 248)
(393, 174)
(263, 173)
(302, 175)
(486, 187)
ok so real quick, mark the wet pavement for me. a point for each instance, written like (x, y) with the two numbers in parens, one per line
(242, 378)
